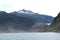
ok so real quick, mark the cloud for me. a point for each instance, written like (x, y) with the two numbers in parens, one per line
(48, 7)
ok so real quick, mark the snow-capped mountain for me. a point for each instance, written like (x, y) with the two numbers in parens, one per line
(25, 11)
(23, 20)
(35, 16)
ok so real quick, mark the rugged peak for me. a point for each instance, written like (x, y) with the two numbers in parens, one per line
(58, 15)
(25, 11)
(57, 19)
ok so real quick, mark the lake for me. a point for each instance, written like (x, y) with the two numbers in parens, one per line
(29, 36)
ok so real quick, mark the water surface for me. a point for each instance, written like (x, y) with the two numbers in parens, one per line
(29, 36)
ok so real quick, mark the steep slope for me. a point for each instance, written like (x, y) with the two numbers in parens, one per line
(55, 25)
(12, 23)
(22, 21)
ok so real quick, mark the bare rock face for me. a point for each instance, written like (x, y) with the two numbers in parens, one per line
(55, 25)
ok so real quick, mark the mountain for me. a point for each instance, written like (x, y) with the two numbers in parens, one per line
(55, 25)
(11, 23)
(22, 21)
(35, 16)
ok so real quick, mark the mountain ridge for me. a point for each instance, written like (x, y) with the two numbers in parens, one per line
(22, 22)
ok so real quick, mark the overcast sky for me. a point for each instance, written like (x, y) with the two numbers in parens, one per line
(48, 7)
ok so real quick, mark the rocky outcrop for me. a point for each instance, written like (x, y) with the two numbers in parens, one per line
(55, 25)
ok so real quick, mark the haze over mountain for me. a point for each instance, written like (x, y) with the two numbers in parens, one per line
(23, 21)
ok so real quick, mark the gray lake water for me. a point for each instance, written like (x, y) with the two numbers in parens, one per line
(29, 36)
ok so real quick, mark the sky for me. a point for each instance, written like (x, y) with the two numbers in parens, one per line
(47, 7)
